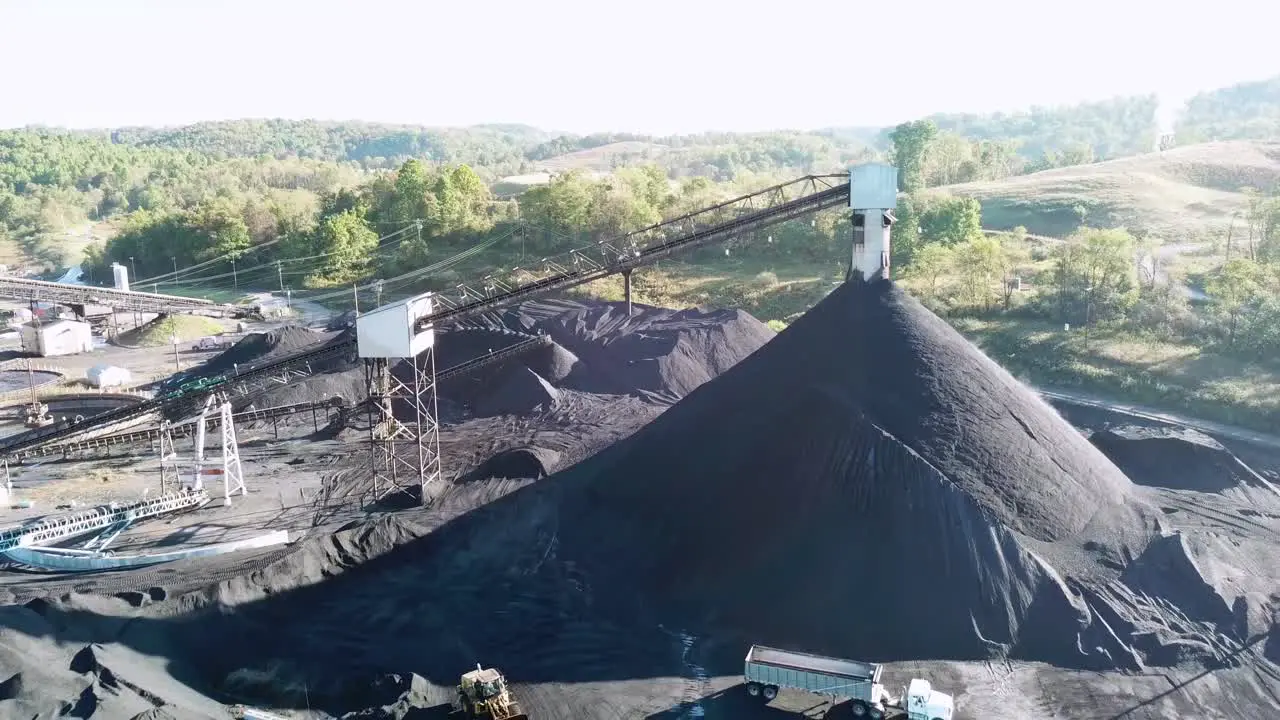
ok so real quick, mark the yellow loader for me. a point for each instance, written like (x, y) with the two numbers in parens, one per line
(483, 694)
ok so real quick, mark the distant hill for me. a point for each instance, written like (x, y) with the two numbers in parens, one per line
(1247, 111)
(1180, 191)
(607, 157)
(371, 144)
(1109, 128)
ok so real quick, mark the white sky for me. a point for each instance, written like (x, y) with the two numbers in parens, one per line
(653, 66)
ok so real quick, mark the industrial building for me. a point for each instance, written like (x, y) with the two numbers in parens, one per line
(60, 337)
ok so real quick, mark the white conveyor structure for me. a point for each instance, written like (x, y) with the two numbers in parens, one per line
(99, 519)
(68, 560)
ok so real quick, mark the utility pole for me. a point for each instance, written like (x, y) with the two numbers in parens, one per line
(235, 280)
(280, 275)
(177, 364)
(134, 266)
(377, 290)
(355, 295)
(174, 258)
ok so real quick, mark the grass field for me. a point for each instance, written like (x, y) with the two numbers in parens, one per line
(1116, 363)
(1177, 194)
(161, 331)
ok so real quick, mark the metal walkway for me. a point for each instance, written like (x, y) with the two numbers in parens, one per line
(66, 294)
(60, 527)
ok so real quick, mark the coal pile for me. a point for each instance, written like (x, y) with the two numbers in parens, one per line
(868, 484)
(257, 348)
(1177, 458)
(655, 352)
(520, 391)
(523, 463)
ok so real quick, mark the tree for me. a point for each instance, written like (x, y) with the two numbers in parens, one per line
(950, 220)
(928, 265)
(905, 234)
(1236, 287)
(978, 263)
(1094, 274)
(1011, 263)
(948, 159)
(911, 143)
(349, 245)
(408, 201)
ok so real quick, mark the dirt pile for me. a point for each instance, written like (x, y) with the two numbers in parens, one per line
(1177, 458)
(868, 484)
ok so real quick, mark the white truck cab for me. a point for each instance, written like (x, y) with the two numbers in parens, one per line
(924, 703)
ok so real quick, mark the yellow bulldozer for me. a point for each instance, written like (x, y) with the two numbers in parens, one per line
(483, 693)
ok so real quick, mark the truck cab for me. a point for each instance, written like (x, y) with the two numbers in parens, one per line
(924, 703)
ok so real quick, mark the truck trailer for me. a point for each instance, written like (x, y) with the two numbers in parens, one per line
(770, 669)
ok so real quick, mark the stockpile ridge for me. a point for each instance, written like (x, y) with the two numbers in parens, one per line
(867, 484)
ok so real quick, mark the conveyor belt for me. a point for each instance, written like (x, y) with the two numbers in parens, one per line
(781, 203)
(179, 430)
(67, 294)
(588, 264)
(189, 395)
(61, 527)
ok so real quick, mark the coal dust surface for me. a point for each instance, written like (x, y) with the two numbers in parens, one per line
(867, 463)
(1178, 458)
(646, 496)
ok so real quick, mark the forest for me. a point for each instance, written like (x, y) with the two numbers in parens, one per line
(315, 207)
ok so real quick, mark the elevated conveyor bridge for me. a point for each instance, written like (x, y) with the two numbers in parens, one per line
(745, 214)
(127, 300)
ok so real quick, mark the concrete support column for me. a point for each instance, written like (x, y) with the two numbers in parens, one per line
(626, 289)
(871, 243)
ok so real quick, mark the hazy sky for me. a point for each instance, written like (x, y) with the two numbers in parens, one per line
(654, 66)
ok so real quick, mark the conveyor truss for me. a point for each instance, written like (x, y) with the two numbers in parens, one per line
(746, 214)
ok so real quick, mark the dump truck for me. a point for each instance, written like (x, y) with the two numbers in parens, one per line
(770, 669)
(483, 693)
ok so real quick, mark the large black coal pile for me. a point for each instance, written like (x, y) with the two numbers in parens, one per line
(1176, 458)
(654, 352)
(257, 348)
(867, 484)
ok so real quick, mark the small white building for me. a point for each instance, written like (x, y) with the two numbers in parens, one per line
(105, 376)
(59, 337)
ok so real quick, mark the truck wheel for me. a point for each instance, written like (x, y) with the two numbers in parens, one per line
(753, 689)
(770, 692)
(875, 713)
(859, 708)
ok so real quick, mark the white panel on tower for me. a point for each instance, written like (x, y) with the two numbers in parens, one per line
(121, 275)
(389, 331)
(873, 186)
